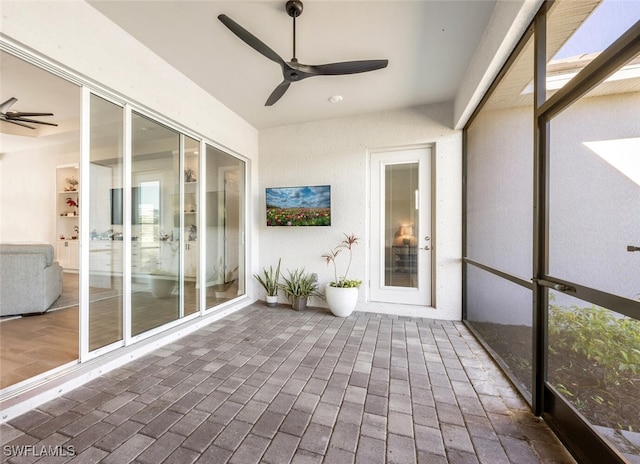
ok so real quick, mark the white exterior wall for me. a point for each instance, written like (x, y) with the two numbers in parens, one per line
(593, 205)
(336, 152)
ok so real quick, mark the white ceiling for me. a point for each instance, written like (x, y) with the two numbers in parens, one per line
(429, 45)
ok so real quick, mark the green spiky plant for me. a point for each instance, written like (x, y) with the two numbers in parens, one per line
(300, 284)
(270, 279)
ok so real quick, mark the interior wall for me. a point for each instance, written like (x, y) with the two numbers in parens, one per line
(336, 152)
(28, 193)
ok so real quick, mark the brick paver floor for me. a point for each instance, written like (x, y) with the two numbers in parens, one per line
(274, 385)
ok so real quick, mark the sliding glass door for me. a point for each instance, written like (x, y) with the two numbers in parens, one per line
(155, 225)
(225, 227)
(106, 250)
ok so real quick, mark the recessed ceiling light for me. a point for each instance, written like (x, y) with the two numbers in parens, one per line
(335, 98)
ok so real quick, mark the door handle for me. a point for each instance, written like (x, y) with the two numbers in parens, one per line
(427, 247)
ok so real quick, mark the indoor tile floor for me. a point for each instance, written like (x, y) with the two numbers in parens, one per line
(274, 385)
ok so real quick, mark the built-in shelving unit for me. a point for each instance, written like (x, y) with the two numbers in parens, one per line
(68, 216)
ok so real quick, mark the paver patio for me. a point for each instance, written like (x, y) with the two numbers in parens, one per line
(274, 385)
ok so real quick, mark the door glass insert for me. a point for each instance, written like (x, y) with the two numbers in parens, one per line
(401, 227)
(156, 173)
(105, 251)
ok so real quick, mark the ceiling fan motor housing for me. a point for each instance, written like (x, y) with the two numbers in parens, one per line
(294, 8)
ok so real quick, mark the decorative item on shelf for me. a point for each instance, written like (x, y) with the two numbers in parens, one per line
(189, 175)
(342, 293)
(73, 204)
(299, 287)
(269, 280)
(76, 231)
(193, 233)
(72, 184)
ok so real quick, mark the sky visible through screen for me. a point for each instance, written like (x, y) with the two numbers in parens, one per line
(602, 28)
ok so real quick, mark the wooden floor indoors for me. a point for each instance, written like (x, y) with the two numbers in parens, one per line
(32, 345)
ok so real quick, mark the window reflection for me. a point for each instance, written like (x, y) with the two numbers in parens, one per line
(105, 253)
(225, 227)
(155, 246)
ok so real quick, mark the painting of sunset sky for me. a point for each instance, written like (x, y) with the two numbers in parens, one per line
(299, 206)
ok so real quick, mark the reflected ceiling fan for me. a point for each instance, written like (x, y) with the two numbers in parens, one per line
(293, 71)
(18, 117)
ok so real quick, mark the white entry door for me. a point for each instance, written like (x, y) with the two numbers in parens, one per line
(401, 240)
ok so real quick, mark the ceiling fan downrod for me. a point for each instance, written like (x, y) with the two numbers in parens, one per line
(294, 9)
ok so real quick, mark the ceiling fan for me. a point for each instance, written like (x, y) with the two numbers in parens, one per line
(18, 117)
(293, 71)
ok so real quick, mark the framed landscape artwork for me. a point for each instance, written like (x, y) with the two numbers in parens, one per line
(299, 206)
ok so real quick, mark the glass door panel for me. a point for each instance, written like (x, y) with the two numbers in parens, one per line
(225, 227)
(105, 245)
(191, 212)
(401, 240)
(400, 217)
(155, 248)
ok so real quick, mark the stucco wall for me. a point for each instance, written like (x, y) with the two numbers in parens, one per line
(335, 152)
(593, 205)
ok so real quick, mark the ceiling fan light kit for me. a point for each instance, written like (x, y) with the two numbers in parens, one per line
(293, 70)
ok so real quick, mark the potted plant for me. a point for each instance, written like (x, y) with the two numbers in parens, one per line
(300, 286)
(269, 280)
(342, 293)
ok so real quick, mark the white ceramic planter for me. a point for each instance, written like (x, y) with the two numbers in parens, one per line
(341, 301)
(162, 286)
(272, 300)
